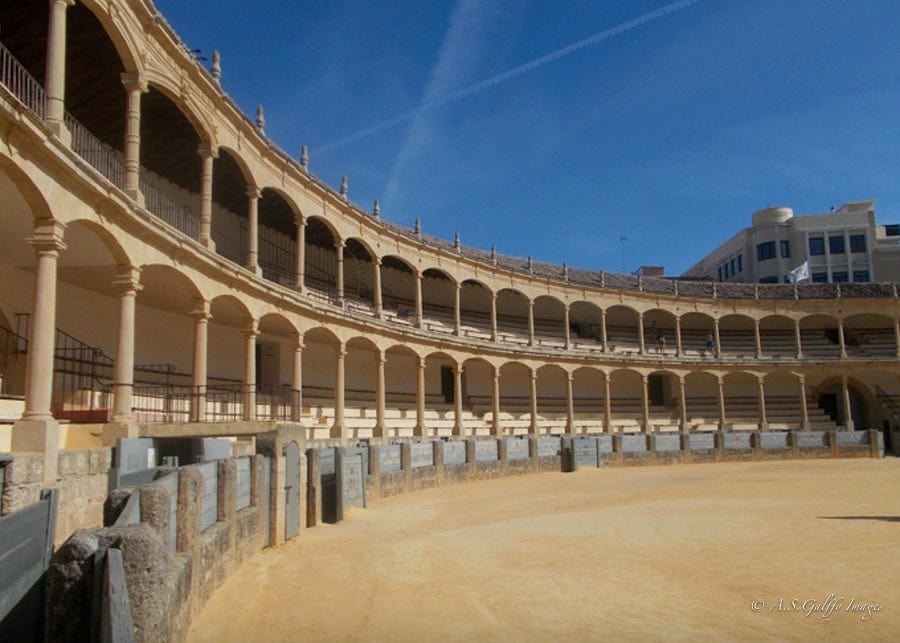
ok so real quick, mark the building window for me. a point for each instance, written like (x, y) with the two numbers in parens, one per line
(733, 265)
(860, 276)
(836, 245)
(720, 273)
(892, 230)
(740, 263)
(765, 251)
(839, 277)
(786, 249)
(816, 246)
(768, 280)
(725, 267)
(819, 277)
(857, 243)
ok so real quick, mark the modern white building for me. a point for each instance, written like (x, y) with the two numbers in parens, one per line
(842, 246)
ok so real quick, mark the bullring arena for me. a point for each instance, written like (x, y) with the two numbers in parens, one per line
(208, 352)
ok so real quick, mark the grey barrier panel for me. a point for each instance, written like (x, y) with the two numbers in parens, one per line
(209, 508)
(135, 478)
(634, 443)
(291, 490)
(390, 458)
(517, 449)
(774, 440)
(115, 622)
(170, 483)
(737, 441)
(548, 447)
(242, 493)
(584, 450)
(213, 449)
(604, 443)
(267, 497)
(26, 543)
(701, 441)
(328, 482)
(810, 439)
(131, 512)
(455, 452)
(421, 454)
(352, 478)
(485, 450)
(668, 442)
(326, 461)
(852, 438)
(135, 454)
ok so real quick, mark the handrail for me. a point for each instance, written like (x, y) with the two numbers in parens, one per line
(23, 85)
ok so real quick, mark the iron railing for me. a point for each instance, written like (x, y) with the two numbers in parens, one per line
(180, 217)
(23, 85)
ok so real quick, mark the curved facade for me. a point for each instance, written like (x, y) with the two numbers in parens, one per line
(164, 262)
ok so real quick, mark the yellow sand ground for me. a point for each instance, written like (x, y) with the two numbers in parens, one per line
(676, 552)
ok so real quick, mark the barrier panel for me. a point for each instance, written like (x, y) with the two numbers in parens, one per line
(852, 438)
(668, 442)
(516, 449)
(702, 441)
(421, 454)
(604, 444)
(390, 458)
(584, 452)
(242, 493)
(634, 443)
(549, 446)
(737, 441)
(485, 450)
(774, 440)
(209, 506)
(454, 452)
(811, 439)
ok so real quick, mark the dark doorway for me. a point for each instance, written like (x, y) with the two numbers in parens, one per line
(828, 403)
(656, 390)
(447, 384)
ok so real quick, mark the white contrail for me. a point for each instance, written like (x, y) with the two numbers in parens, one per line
(510, 73)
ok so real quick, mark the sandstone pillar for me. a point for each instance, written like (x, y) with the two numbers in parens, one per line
(201, 318)
(208, 153)
(55, 75)
(253, 194)
(126, 283)
(380, 360)
(301, 255)
(250, 335)
(134, 87)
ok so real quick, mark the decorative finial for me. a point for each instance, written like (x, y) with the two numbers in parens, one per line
(304, 158)
(344, 187)
(418, 229)
(565, 271)
(456, 244)
(494, 255)
(376, 210)
(216, 67)
(260, 119)
(530, 265)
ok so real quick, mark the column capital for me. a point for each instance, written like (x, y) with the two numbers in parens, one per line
(200, 312)
(716, 322)
(380, 357)
(341, 351)
(134, 82)
(802, 379)
(570, 377)
(298, 342)
(48, 236)
(127, 280)
(252, 328)
(208, 150)
(253, 192)
(300, 220)
(421, 363)
(496, 372)
(340, 244)
(63, 3)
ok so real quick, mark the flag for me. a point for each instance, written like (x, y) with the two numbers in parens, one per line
(800, 273)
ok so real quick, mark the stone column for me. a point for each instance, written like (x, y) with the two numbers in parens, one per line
(380, 360)
(841, 341)
(378, 297)
(897, 335)
(682, 400)
(493, 317)
(797, 339)
(570, 404)
(804, 414)
(845, 393)
(55, 75)
(757, 338)
(678, 348)
(37, 430)
(457, 400)
(301, 255)
(495, 401)
(419, 304)
(645, 404)
(339, 430)
(253, 194)
(534, 403)
(201, 318)
(250, 335)
(297, 379)
(718, 346)
(641, 344)
(603, 329)
(339, 271)
(568, 339)
(607, 404)
(722, 420)
(134, 87)
(420, 398)
(761, 400)
(457, 314)
(126, 284)
(208, 153)
(531, 322)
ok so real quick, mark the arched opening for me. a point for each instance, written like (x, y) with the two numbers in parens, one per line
(737, 337)
(549, 321)
(697, 335)
(742, 410)
(622, 330)
(586, 322)
(398, 288)
(320, 259)
(359, 276)
(776, 333)
(701, 392)
(626, 401)
(587, 396)
(360, 415)
(320, 352)
(438, 296)
(870, 336)
(512, 316)
(439, 395)
(552, 399)
(227, 390)
(515, 399)
(475, 309)
(478, 383)
(784, 402)
(659, 332)
(662, 401)
(229, 208)
(401, 377)
(819, 337)
(276, 397)
(277, 238)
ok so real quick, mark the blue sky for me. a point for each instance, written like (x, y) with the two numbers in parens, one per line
(671, 133)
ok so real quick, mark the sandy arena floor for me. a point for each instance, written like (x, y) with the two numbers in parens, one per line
(672, 552)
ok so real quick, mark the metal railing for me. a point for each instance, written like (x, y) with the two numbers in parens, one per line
(23, 85)
(180, 217)
(96, 153)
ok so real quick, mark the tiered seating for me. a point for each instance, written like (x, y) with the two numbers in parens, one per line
(782, 412)
(875, 342)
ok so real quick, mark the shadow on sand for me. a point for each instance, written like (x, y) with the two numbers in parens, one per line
(881, 518)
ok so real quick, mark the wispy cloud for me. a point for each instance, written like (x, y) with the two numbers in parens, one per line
(466, 9)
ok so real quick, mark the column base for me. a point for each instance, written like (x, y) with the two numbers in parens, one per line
(39, 436)
(764, 427)
(60, 131)
(137, 196)
(117, 429)
(208, 243)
